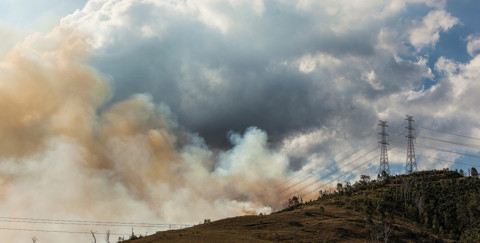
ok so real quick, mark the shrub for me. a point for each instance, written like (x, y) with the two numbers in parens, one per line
(295, 223)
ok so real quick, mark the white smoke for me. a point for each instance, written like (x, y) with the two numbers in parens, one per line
(64, 154)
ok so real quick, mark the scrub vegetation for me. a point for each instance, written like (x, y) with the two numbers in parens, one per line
(426, 206)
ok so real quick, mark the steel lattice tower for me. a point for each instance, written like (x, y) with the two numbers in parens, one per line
(384, 165)
(411, 164)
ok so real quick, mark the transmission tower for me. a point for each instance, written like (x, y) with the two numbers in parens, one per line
(384, 166)
(411, 164)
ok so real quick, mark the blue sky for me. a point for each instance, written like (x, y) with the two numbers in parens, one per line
(452, 43)
(37, 15)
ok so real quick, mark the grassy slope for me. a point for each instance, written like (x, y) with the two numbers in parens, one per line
(304, 224)
(324, 220)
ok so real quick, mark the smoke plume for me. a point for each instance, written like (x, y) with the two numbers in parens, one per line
(65, 153)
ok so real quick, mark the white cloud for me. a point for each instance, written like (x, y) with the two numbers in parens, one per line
(304, 144)
(370, 78)
(351, 15)
(462, 79)
(106, 19)
(473, 45)
(309, 63)
(427, 32)
(348, 15)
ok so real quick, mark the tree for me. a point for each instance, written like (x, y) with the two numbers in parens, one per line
(339, 187)
(435, 224)
(293, 202)
(474, 172)
(93, 235)
(34, 239)
(387, 231)
(419, 202)
(107, 236)
(365, 178)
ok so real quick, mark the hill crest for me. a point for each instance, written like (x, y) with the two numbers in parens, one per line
(426, 206)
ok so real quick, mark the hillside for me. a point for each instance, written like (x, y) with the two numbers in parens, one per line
(427, 206)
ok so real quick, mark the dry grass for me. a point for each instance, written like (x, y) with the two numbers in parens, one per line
(305, 224)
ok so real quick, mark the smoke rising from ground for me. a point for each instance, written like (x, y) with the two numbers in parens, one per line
(64, 155)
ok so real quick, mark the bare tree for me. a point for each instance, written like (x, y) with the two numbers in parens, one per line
(406, 194)
(276, 235)
(387, 231)
(294, 234)
(34, 239)
(107, 236)
(383, 231)
(93, 235)
(419, 202)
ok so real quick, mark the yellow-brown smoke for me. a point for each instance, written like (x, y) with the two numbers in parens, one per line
(65, 154)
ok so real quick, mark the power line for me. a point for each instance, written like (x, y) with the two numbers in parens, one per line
(303, 188)
(55, 231)
(312, 176)
(332, 172)
(411, 161)
(344, 174)
(397, 151)
(418, 155)
(463, 136)
(449, 161)
(448, 151)
(316, 170)
(83, 222)
(473, 146)
(93, 224)
(384, 155)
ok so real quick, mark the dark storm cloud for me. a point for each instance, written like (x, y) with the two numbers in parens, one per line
(290, 68)
(255, 87)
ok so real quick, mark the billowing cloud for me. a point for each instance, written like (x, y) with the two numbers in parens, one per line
(473, 45)
(427, 32)
(275, 65)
